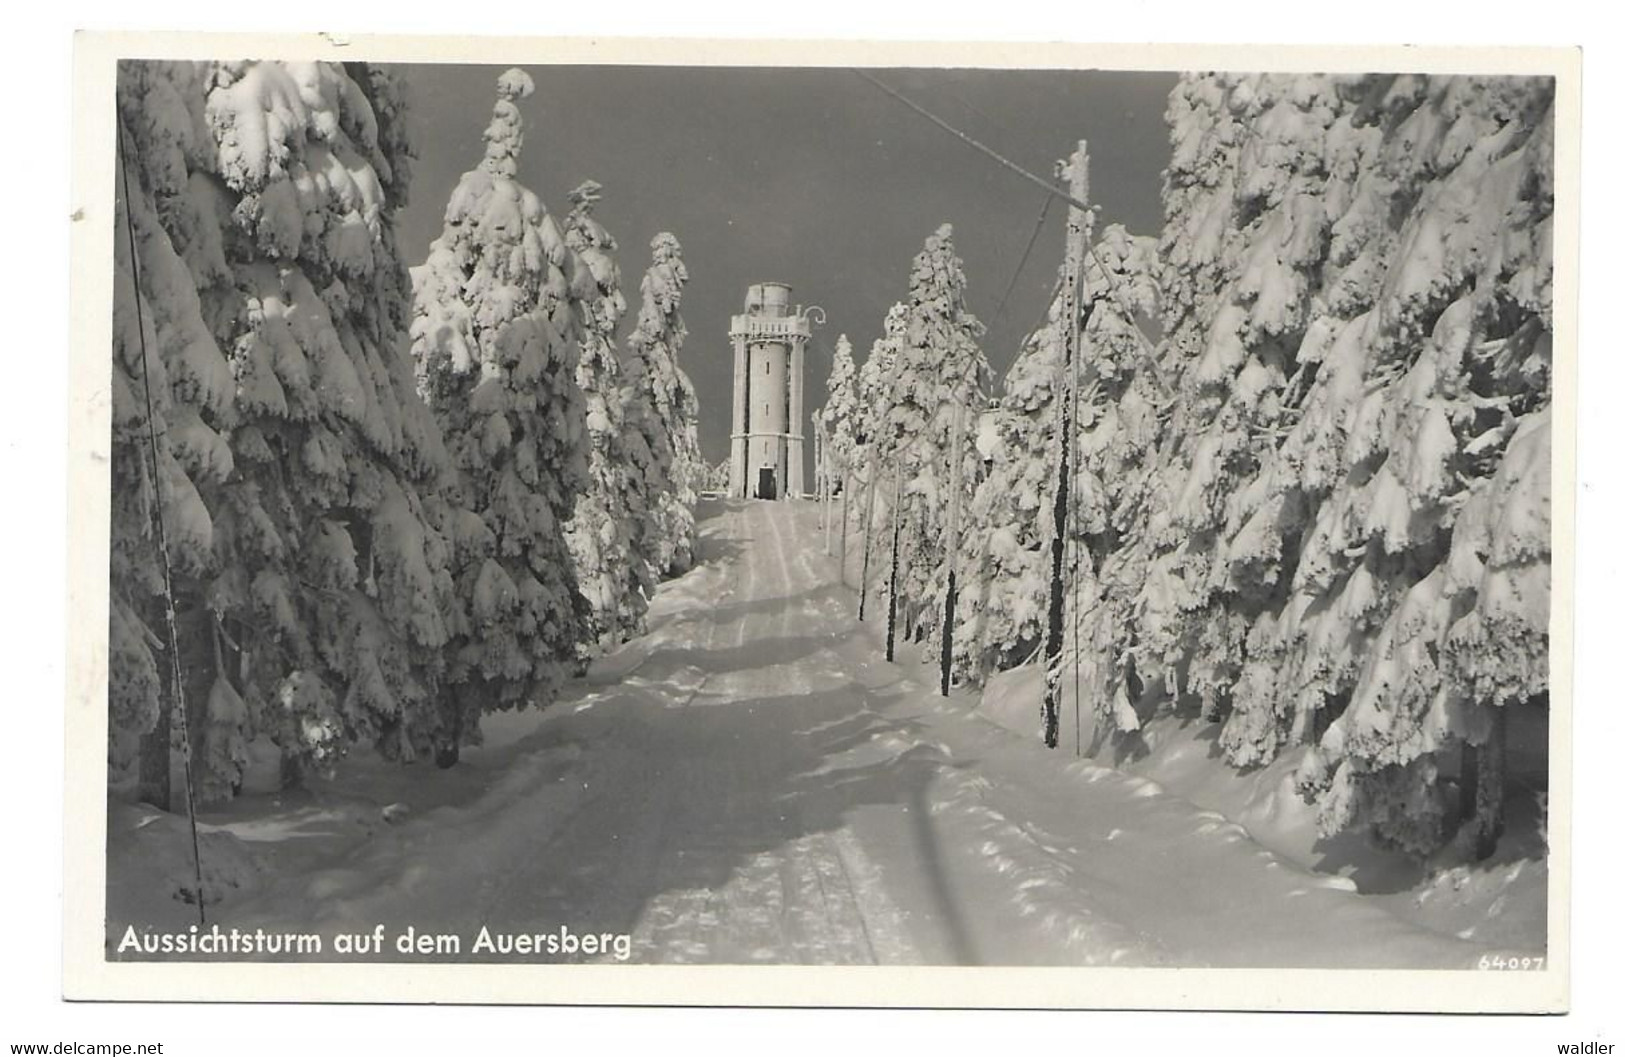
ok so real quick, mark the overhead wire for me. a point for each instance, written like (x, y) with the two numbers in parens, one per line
(1054, 191)
(1032, 240)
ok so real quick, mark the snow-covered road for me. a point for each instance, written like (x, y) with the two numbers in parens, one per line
(752, 783)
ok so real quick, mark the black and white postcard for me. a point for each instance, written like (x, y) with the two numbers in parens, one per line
(856, 524)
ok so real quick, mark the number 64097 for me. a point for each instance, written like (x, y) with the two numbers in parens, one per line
(1515, 962)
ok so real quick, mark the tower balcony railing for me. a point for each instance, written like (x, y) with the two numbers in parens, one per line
(771, 327)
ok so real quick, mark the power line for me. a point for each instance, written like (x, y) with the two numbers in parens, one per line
(1054, 192)
(1032, 240)
(968, 105)
(977, 144)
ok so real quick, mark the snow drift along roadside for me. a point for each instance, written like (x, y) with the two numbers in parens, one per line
(1500, 901)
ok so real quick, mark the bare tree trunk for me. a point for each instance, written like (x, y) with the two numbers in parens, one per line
(448, 750)
(153, 785)
(1467, 785)
(1489, 816)
(291, 774)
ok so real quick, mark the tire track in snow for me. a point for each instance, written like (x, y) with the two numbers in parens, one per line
(646, 836)
(878, 917)
(815, 897)
(653, 920)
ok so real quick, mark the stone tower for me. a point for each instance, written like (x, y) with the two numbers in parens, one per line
(769, 342)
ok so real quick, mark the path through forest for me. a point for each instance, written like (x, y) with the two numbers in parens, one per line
(752, 783)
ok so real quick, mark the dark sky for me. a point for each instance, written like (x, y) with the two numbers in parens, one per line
(807, 176)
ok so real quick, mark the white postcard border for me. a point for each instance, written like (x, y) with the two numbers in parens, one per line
(88, 975)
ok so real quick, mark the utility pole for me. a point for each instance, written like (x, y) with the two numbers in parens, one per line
(820, 473)
(868, 524)
(846, 490)
(896, 540)
(828, 504)
(1076, 170)
(956, 484)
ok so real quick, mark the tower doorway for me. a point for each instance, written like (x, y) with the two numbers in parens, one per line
(765, 485)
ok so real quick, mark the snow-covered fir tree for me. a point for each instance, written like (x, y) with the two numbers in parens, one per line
(1318, 511)
(877, 379)
(941, 375)
(1442, 494)
(1351, 484)
(162, 353)
(1237, 315)
(294, 452)
(873, 445)
(840, 414)
(611, 516)
(496, 335)
(1005, 598)
(717, 478)
(665, 410)
(1007, 538)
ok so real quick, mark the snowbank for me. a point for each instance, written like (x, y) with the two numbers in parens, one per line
(1182, 757)
(151, 877)
(1502, 900)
